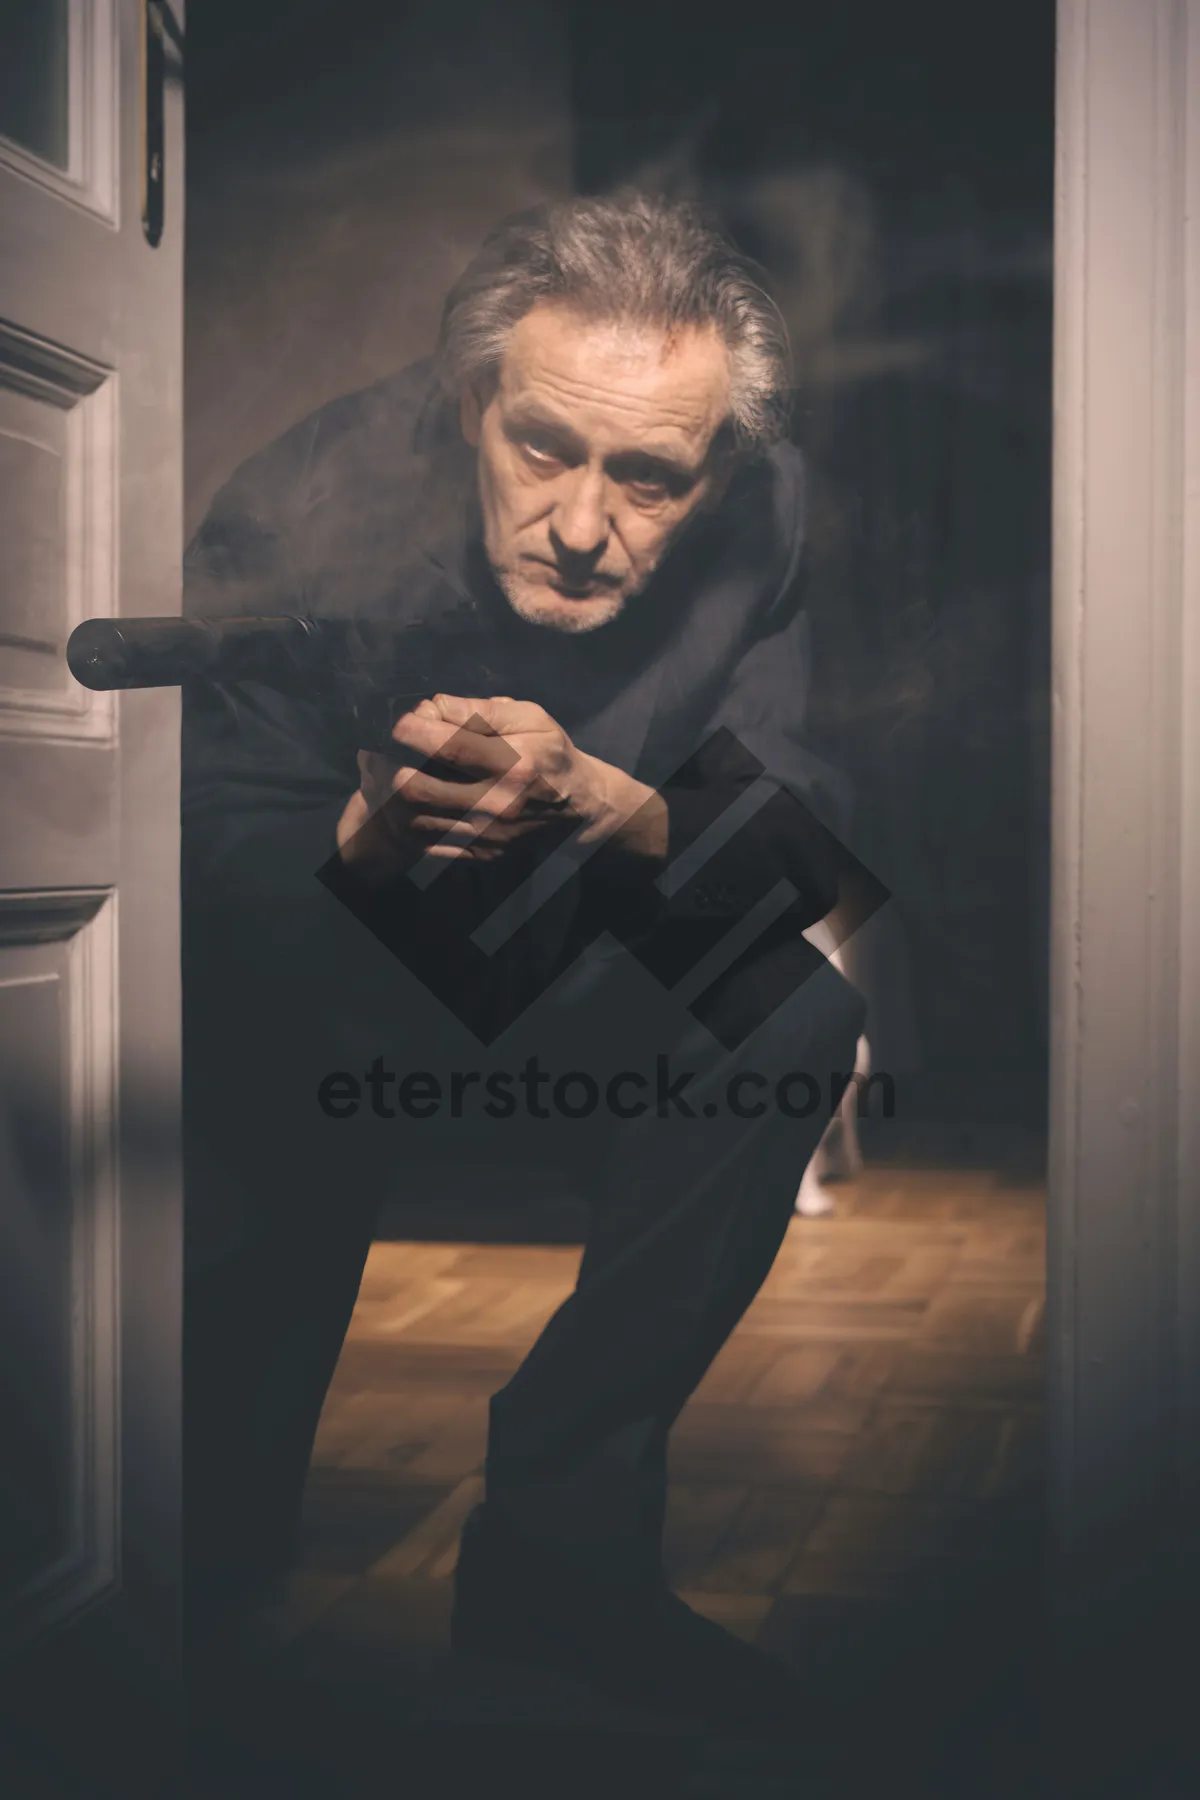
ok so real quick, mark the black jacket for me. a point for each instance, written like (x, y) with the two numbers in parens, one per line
(367, 509)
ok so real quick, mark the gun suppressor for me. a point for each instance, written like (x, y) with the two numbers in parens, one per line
(146, 653)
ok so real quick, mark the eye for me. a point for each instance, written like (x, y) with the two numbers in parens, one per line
(649, 488)
(649, 483)
(540, 452)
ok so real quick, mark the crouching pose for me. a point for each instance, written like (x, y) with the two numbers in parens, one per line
(602, 857)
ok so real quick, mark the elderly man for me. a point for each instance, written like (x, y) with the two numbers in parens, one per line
(592, 474)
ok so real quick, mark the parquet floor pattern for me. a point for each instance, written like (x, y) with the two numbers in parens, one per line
(856, 1484)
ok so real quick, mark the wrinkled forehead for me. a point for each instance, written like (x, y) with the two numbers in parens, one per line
(609, 381)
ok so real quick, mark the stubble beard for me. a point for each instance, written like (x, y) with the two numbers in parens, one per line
(537, 606)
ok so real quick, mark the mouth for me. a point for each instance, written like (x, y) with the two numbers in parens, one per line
(591, 592)
(596, 587)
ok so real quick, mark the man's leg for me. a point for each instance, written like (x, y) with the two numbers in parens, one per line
(690, 1217)
(263, 1327)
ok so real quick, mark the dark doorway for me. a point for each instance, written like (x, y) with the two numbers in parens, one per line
(860, 1479)
(892, 167)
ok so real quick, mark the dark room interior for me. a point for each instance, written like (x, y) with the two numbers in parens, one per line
(599, 897)
(892, 169)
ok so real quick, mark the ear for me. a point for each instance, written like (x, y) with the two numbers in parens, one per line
(470, 414)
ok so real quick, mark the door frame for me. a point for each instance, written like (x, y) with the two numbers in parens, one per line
(1123, 1339)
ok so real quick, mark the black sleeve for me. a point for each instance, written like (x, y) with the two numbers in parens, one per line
(758, 820)
(756, 797)
(265, 781)
(740, 831)
(265, 776)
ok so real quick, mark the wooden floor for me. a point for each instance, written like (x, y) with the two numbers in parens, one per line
(856, 1484)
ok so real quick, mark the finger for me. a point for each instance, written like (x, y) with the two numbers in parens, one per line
(469, 833)
(541, 797)
(498, 714)
(419, 788)
(447, 850)
(426, 806)
(376, 777)
(379, 769)
(421, 727)
(455, 746)
(431, 829)
(456, 709)
(419, 800)
(508, 717)
(518, 788)
(481, 822)
(518, 795)
(506, 803)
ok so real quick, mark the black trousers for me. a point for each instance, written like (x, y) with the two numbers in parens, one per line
(690, 1200)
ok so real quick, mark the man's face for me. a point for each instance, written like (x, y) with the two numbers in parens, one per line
(595, 449)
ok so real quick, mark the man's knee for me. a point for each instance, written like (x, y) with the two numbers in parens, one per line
(823, 1016)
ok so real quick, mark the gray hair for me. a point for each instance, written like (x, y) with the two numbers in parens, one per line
(631, 258)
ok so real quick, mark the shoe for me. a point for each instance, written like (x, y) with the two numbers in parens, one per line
(642, 1648)
(684, 1665)
(516, 1603)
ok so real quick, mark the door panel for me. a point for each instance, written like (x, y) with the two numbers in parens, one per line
(58, 1267)
(90, 1185)
(59, 97)
(58, 510)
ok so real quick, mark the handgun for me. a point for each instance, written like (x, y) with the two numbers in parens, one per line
(376, 668)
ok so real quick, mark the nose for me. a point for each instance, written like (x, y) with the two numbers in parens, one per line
(579, 528)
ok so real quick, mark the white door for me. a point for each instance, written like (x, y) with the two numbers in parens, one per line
(91, 198)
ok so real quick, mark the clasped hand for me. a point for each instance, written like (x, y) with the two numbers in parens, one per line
(472, 777)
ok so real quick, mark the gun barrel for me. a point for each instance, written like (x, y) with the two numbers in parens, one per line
(374, 669)
(145, 653)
